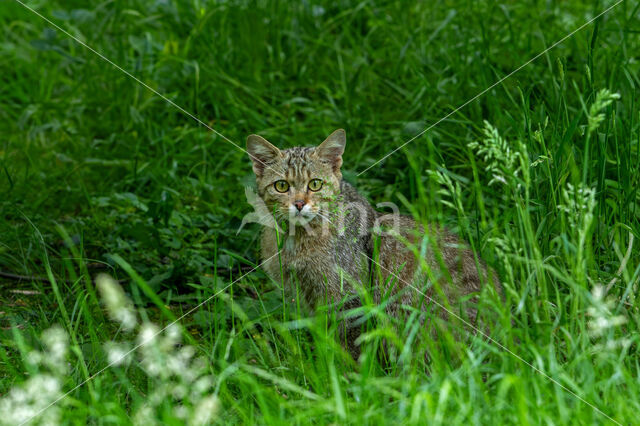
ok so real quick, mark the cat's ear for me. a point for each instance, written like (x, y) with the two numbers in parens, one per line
(261, 153)
(332, 148)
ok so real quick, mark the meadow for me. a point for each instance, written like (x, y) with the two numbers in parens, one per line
(119, 213)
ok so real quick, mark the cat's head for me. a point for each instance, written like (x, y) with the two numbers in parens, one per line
(298, 184)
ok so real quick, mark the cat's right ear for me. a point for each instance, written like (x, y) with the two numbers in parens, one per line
(261, 152)
(332, 148)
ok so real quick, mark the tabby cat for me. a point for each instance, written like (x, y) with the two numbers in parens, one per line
(335, 243)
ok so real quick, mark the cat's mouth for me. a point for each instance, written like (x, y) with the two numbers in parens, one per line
(301, 216)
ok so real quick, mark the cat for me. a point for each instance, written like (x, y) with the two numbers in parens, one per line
(334, 242)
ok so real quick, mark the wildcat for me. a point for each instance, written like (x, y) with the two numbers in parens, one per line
(336, 242)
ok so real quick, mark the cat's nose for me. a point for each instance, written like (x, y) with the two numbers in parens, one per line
(299, 204)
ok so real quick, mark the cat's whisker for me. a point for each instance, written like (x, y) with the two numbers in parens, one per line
(324, 216)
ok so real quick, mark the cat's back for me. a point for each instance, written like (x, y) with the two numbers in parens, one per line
(357, 216)
(351, 195)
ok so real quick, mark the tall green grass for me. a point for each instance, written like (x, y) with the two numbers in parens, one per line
(97, 174)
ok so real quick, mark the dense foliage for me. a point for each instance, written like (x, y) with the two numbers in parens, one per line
(99, 174)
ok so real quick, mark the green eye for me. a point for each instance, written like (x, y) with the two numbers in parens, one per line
(315, 184)
(281, 186)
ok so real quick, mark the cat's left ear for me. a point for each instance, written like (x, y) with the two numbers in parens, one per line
(332, 148)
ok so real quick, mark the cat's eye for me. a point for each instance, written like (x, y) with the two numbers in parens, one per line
(281, 186)
(315, 184)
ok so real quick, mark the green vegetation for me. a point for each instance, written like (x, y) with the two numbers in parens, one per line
(98, 174)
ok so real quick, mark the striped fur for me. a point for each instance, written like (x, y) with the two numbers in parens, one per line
(328, 258)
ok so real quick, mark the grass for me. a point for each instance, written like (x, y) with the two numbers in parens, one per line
(97, 174)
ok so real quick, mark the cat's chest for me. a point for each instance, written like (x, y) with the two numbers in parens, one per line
(301, 254)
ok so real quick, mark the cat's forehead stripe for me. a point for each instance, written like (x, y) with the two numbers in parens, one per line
(298, 161)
